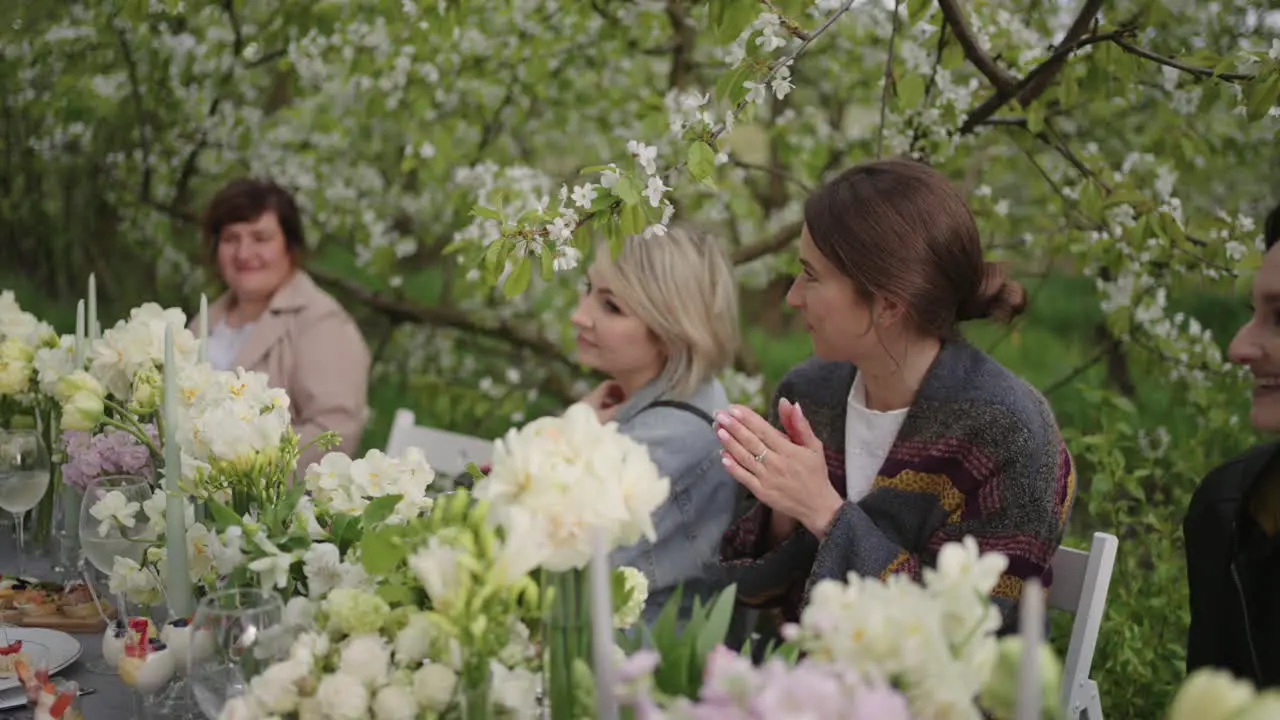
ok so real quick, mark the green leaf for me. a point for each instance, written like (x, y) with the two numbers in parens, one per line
(1068, 90)
(381, 550)
(289, 502)
(485, 212)
(518, 281)
(548, 258)
(615, 237)
(952, 56)
(582, 236)
(346, 531)
(493, 257)
(719, 616)
(701, 160)
(1035, 118)
(379, 509)
(738, 92)
(224, 516)
(396, 595)
(1171, 229)
(632, 220)
(628, 189)
(910, 91)
(1091, 202)
(593, 169)
(734, 17)
(1261, 97)
(916, 9)
(731, 81)
(1225, 65)
(1201, 58)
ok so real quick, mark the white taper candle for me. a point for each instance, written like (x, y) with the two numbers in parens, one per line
(92, 327)
(81, 348)
(204, 328)
(177, 577)
(1031, 628)
(602, 629)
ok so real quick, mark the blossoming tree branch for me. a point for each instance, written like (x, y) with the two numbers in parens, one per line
(466, 146)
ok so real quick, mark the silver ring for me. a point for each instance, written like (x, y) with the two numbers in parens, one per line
(760, 458)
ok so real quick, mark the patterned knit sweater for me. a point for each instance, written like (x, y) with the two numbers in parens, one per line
(978, 454)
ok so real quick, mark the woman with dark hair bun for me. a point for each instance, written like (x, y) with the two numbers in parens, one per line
(899, 436)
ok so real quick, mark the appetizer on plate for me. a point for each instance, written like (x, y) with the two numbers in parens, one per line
(77, 602)
(12, 659)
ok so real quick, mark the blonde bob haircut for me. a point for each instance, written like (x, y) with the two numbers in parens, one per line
(681, 286)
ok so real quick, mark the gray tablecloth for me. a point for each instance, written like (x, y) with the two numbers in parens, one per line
(113, 699)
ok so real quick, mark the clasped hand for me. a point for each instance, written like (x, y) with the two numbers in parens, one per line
(787, 472)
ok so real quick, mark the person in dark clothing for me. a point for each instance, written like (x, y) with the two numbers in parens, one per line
(1232, 528)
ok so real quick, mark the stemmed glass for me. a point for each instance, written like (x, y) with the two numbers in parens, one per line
(24, 478)
(101, 542)
(235, 635)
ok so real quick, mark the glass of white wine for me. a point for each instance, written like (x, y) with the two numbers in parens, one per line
(102, 548)
(101, 542)
(24, 478)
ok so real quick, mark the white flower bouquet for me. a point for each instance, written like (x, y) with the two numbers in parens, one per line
(564, 490)
(31, 354)
(22, 337)
(872, 649)
(431, 606)
(1213, 694)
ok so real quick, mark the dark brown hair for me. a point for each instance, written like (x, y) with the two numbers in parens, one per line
(899, 230)
(246, 199)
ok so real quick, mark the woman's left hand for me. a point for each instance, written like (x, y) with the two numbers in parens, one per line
(789, 474)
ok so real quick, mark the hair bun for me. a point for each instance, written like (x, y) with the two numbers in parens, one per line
(998, 298)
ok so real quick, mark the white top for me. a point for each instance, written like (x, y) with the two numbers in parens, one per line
(868, 436)
(224, 344)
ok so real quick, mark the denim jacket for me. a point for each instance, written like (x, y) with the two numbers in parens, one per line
(701, 505)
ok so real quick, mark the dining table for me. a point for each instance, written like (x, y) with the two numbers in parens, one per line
(109, 697)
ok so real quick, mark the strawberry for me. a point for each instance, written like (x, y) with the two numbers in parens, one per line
(61, 704)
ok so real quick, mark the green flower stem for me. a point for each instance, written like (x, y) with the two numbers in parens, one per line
(46, 425)
(133, 428)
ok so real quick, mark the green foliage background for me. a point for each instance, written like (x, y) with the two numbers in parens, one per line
(1118, 154)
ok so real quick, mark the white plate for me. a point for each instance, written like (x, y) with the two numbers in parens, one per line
(55, 646)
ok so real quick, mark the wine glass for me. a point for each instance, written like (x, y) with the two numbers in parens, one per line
(24, 478)
(231, 642)
(102, 542)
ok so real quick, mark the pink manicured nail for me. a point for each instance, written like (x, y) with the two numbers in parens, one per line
(723, 418)
(722, 434)
(736, 411)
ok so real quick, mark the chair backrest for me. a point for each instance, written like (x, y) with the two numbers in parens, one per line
(447, 452)
(1080, 584)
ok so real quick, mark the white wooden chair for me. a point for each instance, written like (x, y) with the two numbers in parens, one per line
(1080, 583)
(448, 453)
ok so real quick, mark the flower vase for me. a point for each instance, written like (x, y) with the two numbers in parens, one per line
(68, 522)
(475, 700)
(569, 686)
(43, 527)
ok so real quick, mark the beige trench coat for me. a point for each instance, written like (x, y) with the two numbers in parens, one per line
(310, 347)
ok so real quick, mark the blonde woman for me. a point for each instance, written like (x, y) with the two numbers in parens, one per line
(661, 320)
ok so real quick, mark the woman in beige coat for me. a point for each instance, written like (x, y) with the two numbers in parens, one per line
(274, 319)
